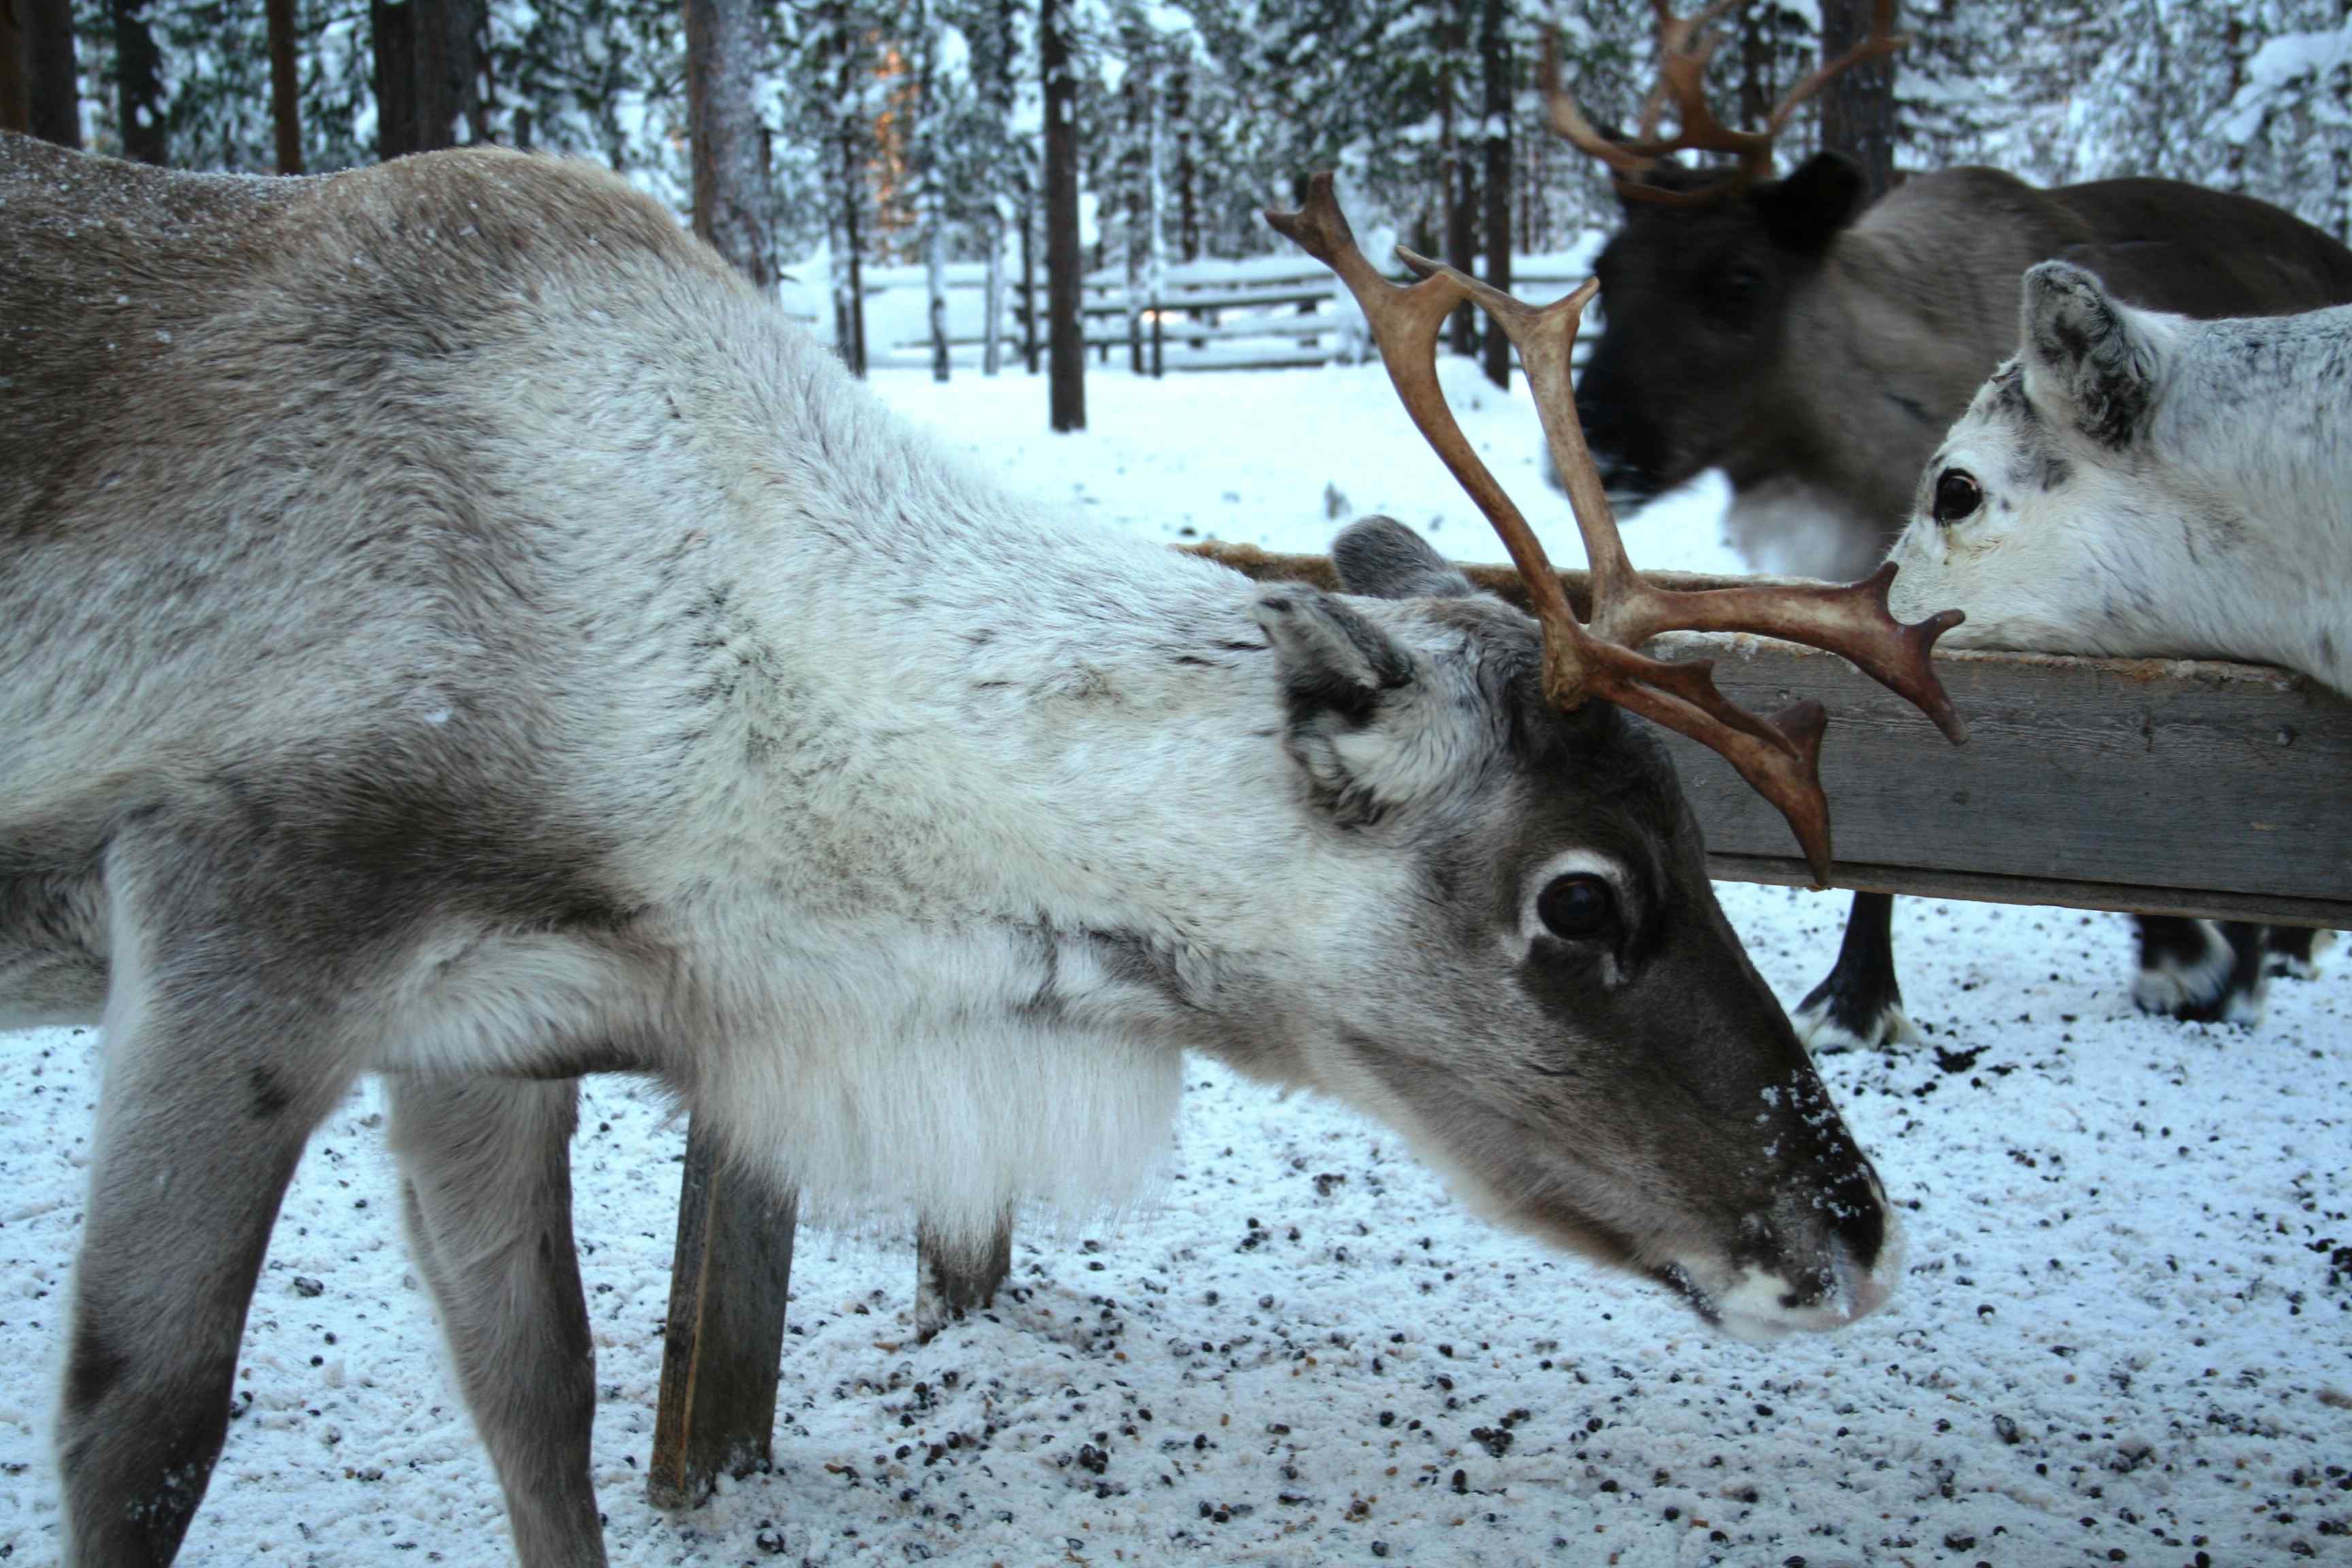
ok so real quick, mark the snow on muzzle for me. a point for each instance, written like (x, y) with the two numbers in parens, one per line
(1824, 1250)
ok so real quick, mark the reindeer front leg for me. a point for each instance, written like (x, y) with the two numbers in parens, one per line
(217, 1066)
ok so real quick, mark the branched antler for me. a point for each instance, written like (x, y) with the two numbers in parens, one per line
(1686, 46)
(1779, 756)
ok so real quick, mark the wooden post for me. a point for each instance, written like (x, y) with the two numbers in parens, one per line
(723, 1347)
(1159, 318)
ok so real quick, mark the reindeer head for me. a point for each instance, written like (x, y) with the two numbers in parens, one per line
(1667, 1119)
(2045, 511)
(1696, 287)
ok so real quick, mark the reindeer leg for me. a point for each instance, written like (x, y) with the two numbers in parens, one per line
(1859, 1006)
(486, 1169)
(219, 1061)
(2200, 971)
(2294, 950)
(953, 1278)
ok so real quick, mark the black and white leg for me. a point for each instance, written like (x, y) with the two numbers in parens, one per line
(2201, 972)
(954, 1276)
(1859, 1006)
(485, 1188)
(2293, 952)
(217, 1065)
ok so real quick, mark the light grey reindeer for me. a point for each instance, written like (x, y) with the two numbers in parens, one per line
(2134, 483)
(452, 627)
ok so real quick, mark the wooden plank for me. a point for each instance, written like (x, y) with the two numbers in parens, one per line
(1790, 871)
(2191, 775)
(2170, 786)
(723, 1347)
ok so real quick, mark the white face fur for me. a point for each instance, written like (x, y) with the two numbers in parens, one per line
(2043, 515)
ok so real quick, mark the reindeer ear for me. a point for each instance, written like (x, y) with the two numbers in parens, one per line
(1355, 728)
(1334, 661)
(2085, 358)
(1813, 205)
(1380, 558)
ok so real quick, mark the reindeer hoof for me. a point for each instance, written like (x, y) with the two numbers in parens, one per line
(2208, 973)
(1829, 1023)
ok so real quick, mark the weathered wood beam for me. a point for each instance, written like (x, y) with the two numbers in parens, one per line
(723, 1347)
(2174, 787)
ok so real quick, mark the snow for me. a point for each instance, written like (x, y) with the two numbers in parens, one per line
(2122, 1336)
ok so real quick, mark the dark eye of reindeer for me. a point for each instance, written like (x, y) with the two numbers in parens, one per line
(1578, 907)
(1958, 495)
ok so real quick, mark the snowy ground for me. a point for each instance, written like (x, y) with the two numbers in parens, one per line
(2125, 1335)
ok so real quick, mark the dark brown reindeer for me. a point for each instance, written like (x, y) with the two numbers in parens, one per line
(1816, 350)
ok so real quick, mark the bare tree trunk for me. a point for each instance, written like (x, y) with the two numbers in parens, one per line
(1461, 192)
(1188, 215)
(428, 73)
(52, 76)
(1029, 284)
(16, 107)
(1495, 48)
(1858, 106)
(731, 206)
(138, 84)
(285, 87)
(1064, 284)
(991, 331)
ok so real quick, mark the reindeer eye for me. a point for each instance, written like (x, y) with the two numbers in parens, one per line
(1578, 907)
(1958, 495)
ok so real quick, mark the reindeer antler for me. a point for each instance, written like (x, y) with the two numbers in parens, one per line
(1686, 46)
(1779, 756)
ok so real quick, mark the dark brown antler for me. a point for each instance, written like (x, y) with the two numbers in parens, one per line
(1779, 756)
(1686, 45)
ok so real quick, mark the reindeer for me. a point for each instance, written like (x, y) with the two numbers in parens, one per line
(452, 627)
(1815, 349)
(2134, 483)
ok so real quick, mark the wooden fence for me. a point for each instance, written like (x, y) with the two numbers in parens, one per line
(1261, 313)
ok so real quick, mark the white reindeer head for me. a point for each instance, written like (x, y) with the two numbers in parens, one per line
(2049, 516)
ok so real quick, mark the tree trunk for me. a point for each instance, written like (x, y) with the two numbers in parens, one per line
(1065, 348)
(731, 208)
(396, 77)
(428, 73)
(53, 87)
(285, 87)
(1461, 181)
(1029, 284)
(16, 111)
(1495, 47)
(992, 330)
(1858, 106)
(1188, 215)
(138, 84)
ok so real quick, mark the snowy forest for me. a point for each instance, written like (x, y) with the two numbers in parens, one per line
(889, 127)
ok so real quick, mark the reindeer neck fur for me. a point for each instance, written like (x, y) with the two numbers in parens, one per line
(2249, 420)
